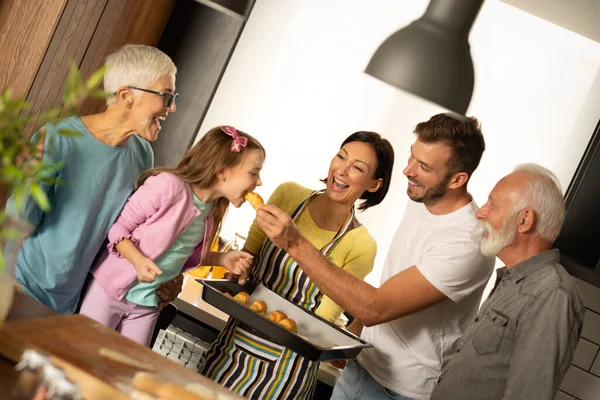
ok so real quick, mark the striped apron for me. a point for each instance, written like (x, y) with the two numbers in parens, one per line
(247, 362)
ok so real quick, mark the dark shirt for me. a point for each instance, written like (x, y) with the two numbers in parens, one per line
(521, 343)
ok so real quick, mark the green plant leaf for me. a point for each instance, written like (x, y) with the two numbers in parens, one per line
(19, 168)
(49, 115)
(98, 93)
(40, 197)
(2, 262)
(18, 194)
(95, 79)
(52, 181)
(68, 132)
(7, 95)
(73, 86)
(12, 171)
(11, 234)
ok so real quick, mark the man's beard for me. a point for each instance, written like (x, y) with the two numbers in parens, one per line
(499, 240)
(432, 193)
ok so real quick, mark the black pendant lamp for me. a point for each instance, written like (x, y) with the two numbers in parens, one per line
(234, 8)
(431, 57)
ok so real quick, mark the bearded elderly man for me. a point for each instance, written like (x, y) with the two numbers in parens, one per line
(522, 341)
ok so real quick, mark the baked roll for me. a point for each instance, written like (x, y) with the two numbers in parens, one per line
(254, 199)
(289, 324)
(276, 316)
(243, 298)
(259, 306)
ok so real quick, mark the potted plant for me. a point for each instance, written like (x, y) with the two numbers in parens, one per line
(22, 169)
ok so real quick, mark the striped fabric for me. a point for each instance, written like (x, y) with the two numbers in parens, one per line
(250, 364)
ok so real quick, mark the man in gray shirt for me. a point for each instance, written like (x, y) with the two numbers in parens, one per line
(521, 343)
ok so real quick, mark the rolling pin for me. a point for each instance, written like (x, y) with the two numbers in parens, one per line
(146, 382)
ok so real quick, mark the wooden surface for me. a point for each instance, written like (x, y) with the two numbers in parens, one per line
(75, 341)
(88, 31)
(123, 22)
(39, 39)
(26, 28)
(24, 308)
(68, 45)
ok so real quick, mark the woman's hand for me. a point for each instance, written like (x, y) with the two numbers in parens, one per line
(146, 269)
(168, 291)
(278, 226)
(237, 262)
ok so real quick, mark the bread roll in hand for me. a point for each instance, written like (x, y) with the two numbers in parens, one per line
(243, 298)
(254, 199)
(289, 324)
(259, 306)
(276, 316)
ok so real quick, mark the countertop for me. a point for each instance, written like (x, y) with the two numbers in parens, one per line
(74, 343)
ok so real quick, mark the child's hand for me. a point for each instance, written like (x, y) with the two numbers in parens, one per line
(238, 263)
(146, 269)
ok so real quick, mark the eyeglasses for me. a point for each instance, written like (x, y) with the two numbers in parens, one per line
(170, 98)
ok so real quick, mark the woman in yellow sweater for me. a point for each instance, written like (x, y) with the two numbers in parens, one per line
(244, 360)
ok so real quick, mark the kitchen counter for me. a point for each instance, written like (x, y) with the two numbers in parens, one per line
(74, 342)
(191, 304)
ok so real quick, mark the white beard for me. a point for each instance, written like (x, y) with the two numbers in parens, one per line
(498, 240)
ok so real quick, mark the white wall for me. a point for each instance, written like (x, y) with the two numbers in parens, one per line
(296, 82)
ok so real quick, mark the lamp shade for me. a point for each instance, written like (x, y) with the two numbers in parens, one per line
(431, 57)
(234, 8)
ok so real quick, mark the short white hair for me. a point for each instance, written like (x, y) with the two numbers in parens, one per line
(135, 65)
(543, 194)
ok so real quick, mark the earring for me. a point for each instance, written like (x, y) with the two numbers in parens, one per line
(223, 178)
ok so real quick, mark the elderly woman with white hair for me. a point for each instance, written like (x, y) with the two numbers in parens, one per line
(101, 166)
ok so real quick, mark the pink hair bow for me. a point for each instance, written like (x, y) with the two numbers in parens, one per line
(238, 141)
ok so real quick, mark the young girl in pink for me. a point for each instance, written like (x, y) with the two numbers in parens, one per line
(168, 225)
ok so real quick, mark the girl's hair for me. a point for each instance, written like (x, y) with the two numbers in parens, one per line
(135, 65)
(200, 164)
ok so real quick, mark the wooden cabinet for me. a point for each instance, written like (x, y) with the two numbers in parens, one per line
(26, 29)
(88, 31)
(39, 39)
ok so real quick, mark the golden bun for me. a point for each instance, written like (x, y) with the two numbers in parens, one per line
(276, 316)
(242, 298)
(259, 306)
(289, 324)
(254, 199)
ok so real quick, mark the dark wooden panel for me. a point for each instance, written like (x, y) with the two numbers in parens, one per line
(26, 28)
(68, 45)
(132, 21)
(200, 41)
(25, 31)
(88, 31)
(40, 38)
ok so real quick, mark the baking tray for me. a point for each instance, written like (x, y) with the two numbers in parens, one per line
(317, 339)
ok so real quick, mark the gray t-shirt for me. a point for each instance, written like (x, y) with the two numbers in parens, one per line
(521, 343)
